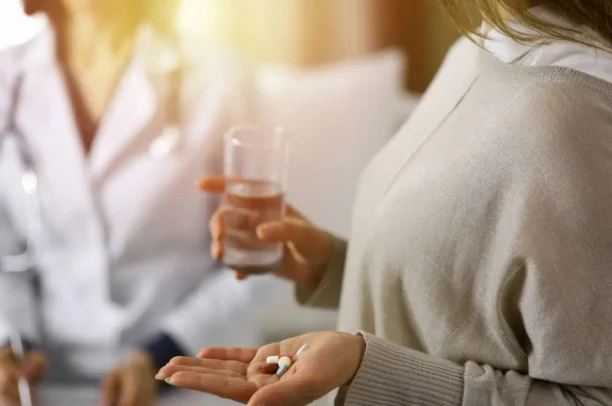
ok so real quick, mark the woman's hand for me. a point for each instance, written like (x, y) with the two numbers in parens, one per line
(132, 384)
(308, 249)
(241, 374)
(33, 368)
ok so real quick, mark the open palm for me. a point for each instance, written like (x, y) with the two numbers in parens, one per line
(241, 374)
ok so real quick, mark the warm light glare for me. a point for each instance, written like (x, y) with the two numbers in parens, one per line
(15, 27)
(205, 18)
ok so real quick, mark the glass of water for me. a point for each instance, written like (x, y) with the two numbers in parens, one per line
(256, 169)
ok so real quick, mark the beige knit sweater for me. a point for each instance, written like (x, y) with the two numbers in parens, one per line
(480, 262)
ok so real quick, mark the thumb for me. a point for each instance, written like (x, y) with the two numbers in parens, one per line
(307, 239)
(299, 232)
(289, 391)
(34, 366)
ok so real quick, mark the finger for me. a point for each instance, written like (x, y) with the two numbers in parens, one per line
(236, 389)
(231, 217)
(129, 385)
(304, 236)
(216, 250)
(170, 370)
(10, 398)
(239, 354)
(6, 355)
(35, 366)
(215, 224)
(238, 219)
(213, 184)
(9, 393)
(288, 391)
(111, 388)
(217, 364)
(243, 239)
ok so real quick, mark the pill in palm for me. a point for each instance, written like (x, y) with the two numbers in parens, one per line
(281, 371)
(272, 360)
(284, 361)
(301, 351)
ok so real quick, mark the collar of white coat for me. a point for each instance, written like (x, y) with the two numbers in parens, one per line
(159, 55)
(137, 94)
(510, 51)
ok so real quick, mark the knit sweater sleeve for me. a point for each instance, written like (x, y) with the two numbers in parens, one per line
(560, 297)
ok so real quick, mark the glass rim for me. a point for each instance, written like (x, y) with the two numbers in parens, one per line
(230, 135)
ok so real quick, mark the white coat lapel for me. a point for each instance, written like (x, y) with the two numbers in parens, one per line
(52, 137)
(129, 113)
(137, 107)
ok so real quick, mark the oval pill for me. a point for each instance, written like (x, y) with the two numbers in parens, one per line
(281, 371)
(284, 362)
(301, 351)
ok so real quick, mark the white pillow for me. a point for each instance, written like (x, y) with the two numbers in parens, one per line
(340, 115)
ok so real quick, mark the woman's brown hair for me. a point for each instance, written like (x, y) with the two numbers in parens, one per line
(596, 15)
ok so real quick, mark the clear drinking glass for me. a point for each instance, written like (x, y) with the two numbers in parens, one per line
(256, 169)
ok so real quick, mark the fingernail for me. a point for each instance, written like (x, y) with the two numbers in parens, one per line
(169, 381)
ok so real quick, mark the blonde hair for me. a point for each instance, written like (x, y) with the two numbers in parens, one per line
(595, 15)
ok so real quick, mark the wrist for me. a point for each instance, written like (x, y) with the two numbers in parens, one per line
(316, 275)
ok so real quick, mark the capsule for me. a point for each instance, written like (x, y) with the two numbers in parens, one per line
(281, 371)
(272, 360)
(302, 350)
(284, 361)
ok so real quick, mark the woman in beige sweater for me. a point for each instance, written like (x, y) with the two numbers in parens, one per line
(479, 271)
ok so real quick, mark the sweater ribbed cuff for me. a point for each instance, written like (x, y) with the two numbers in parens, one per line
(395, 375)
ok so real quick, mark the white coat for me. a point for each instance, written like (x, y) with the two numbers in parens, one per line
(123, 251)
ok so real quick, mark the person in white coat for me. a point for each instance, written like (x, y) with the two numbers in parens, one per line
(119, 121)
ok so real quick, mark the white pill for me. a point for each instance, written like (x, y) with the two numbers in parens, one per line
(273, 359)
(301, 351)
(284, 362)
(281, 371)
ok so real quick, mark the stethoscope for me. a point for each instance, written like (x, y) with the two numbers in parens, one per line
(162, 146)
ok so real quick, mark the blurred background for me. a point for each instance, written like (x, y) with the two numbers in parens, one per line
(302, 32)
(370, 59)
(343, 75)
(386, 49)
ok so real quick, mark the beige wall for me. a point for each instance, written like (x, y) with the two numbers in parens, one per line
(427, 38)
(312, 32)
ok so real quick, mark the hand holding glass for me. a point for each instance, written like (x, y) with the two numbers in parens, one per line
(256, 169)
